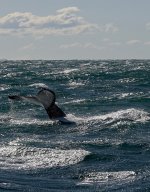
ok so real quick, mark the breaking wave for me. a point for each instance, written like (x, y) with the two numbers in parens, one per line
(132, 114)
(108, 177)
(30, 158)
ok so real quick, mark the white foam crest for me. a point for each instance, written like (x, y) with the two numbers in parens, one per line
(128, 114)
(108, 177)
(73, 118)
(75, 101)
(17, 141)
(38, 85)
(21, 141)
(10, 75)
(23, 121)
(27, 121)
(66, 71)
(4, 87)
(75, 84)
(124, 95)
(127, 80)
(29, 158)
(4, 118)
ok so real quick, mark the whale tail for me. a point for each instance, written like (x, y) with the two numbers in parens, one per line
(47, 98)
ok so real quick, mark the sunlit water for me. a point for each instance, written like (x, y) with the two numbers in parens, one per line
(108, 149)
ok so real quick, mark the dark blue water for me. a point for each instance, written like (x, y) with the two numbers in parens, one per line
(109, 147)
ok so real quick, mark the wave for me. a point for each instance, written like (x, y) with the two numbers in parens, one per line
(75, 84)
(127, 115)
(4, 87)
(23, 121)
(38, 85)
(66, 71)
(132, 114)
(75, 101)
(108, 177)
(27, 121)
(30, 158)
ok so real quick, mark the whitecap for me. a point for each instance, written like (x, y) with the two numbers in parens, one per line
(127, 80)
(124, 95)
(23, 121)
(129, 114)
(4, 87)
(108, 177)
(75, 84)
(4, 118)
(66, 71)
(75, 101)
(30, 158)
(27, 121)
(132, 114)
(38, 85)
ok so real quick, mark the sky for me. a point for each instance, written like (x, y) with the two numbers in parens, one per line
(74, 29)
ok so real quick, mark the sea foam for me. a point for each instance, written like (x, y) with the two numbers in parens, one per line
(29, 158)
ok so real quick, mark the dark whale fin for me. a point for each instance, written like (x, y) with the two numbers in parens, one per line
(55, 112)
(47, 98)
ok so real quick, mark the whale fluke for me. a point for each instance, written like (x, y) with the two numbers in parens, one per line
(47, 98)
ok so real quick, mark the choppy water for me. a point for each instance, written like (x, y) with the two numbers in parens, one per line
(109, 147)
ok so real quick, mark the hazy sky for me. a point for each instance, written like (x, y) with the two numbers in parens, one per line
(74, 29)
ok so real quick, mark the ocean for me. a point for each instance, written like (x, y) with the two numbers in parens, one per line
(108, 149)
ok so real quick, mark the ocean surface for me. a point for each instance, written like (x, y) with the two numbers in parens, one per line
(108, 149)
